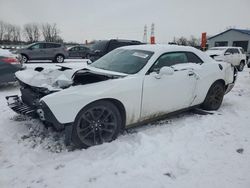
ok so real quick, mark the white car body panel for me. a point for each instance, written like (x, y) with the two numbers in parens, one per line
(143, 95)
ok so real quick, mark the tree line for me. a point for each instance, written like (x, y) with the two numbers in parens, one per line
(30, 32)
(192, 41)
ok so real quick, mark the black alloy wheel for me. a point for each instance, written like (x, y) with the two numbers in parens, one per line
(97, 123)
(214, 97)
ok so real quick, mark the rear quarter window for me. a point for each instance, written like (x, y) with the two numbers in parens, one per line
(193, 58)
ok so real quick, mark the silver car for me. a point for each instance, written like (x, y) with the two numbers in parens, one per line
(44, 51)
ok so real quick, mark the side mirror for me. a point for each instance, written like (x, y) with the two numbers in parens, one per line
(227, 53)
(164, 71)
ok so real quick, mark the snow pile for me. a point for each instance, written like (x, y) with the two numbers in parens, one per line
(53, 79)
(187, 150)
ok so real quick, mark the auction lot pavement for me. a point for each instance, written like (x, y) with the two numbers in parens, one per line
(187, 150)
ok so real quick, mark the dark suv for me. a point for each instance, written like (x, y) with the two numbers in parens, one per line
(44, 51)
(102, 47)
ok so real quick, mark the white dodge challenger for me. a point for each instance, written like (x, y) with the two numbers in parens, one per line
(128, 86)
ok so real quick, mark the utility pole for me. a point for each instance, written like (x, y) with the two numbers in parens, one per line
(152, 37)
(145, 36)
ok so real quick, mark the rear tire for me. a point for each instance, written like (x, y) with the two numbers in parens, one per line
(241, 66)
(59, 58)
(214, 97)
(95, 124)
(24, 58)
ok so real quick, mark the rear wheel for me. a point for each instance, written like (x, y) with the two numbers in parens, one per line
(24, 58)
(59, 59)
(241, 66)
(97, 123)
(214, 97)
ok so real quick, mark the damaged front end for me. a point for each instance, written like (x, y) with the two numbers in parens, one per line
(30, 103)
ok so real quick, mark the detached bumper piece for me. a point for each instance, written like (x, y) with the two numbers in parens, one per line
(16, 104)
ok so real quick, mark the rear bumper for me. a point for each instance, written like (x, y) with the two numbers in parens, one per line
(231, 85)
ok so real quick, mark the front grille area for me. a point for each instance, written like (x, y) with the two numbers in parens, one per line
(19, 107)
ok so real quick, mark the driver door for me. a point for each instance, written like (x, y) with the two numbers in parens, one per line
(37, 51)
(167, 93)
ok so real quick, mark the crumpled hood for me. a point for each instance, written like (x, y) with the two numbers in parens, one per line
(49, 78)
(57, 79)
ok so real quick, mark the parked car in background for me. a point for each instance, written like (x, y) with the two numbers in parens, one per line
(126, 87)
(43, 51)
(102, 47)
(248, 63)
(9, 64)
(79, 51)
(234, 55)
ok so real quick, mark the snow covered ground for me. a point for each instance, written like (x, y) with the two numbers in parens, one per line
(188, 150)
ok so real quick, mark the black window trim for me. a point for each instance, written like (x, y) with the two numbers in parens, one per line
(150, 71)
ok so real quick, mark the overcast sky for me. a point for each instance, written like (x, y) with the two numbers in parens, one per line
(81, 20)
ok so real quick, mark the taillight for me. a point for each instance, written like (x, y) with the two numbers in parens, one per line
(10, 60)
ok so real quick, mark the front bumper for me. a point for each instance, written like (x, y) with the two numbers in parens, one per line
(45, 114)
(16, 104)
(40, 111)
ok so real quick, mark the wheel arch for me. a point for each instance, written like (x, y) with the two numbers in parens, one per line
(57, 54)
(216, 81)
(119, 106)
(24, 54)
(219, 80)
(243, 60)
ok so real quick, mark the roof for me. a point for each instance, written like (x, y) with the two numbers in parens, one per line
(243, 31)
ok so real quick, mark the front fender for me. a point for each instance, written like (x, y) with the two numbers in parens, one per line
(66, 104)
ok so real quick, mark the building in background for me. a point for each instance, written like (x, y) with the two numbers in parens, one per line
(232, 37)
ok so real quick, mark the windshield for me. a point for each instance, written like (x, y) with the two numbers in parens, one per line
(99, 45)
(124, 60)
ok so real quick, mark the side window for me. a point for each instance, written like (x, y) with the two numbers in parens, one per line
(113, 45)
(56, 45)
(229, 50)
(170, 59)
(37, 46)
(83, 48)
(235, 51)
(192, 58)
(48, 45)
(52, 45)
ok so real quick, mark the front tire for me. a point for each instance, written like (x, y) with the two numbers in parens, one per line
(95, 124)
(59, 59)
(214, 97)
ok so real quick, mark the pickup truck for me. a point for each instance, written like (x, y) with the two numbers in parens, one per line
(234, 55)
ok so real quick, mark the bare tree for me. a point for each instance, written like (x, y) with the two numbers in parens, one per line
(193, 41)
(31, 32)
(182, 41)
(50, 33)
(2, 30)
(16, 33)
(8, 36)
